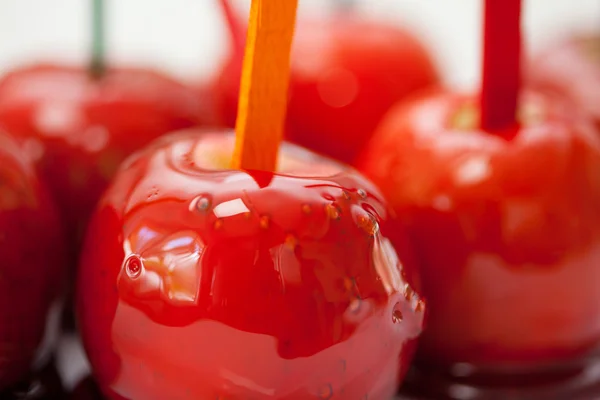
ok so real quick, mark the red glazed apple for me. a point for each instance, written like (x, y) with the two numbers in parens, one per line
(31, 267)
(199, 282)
(78, 129)
(573, 69)
(506, 225)
(346, 74)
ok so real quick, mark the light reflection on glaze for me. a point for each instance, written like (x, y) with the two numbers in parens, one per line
(268, 301)
(170, 270)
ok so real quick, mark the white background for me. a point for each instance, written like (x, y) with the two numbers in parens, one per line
(187, 38)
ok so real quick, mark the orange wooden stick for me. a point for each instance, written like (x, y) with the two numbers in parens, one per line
(264, 85)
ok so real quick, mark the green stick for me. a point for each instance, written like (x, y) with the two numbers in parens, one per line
(98, 62)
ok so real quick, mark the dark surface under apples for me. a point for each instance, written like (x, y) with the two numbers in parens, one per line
(67, 377)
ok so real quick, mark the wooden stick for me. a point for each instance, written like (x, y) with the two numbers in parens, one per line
(264, 85)
(501, 78)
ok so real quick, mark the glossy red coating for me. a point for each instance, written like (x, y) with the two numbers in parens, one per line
(572, 68)
(346, 74)
(78, 129)
(507, 231)
(32, 258)
(199, 282)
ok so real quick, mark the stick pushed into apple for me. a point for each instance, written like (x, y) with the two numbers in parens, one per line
(266, 275)
(346, 73)
(501, 193)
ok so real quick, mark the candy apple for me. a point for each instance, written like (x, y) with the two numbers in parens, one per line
(501, 195)
(506, 225)
(32, 251)
(201, 282)
(346, 73)
(78, 128)
(572, 68)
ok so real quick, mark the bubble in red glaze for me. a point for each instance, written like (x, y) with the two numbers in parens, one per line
(133, 266)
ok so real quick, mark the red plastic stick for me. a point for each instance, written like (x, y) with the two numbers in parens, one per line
(237, 31)
(501, 64)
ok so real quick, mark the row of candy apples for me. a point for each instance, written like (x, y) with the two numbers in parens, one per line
(503, 221)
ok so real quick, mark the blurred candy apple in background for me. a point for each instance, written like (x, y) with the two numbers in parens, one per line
(78, 124)
(500, 192)
(347, 71)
